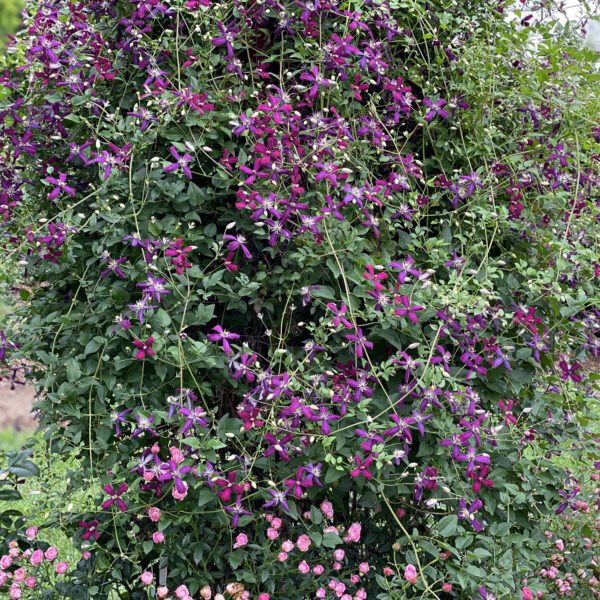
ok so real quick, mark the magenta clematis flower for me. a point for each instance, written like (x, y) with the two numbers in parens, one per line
(435, 109)
(91, 530)
(237, 510)
(238, 241)
(362, 467)
(221, 335)
(468, 513)
(407, 310)
(60, 186)
(360, 342)
(181, 162)
(144, 348)
(115, 496)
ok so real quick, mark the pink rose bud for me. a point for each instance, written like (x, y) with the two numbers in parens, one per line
(31, 533)
(354, 578)
(154, 514)
(182, 592)
(526, 593)
(51, 553)
(282, 556)
(318, 569)
(321, 593)
(241, 540)
(162, 592)
(158, 537)
(206, 593)
(287, 546)
(339, 554)
(62, 567)
(447, 587)
(337, 566)
(86, 555)
(147, 578)
(410, 574)
(5, 561)
(37, 558)
(276, 523)
(304, 567)
(387, 571)
(263, 597)
(364, 568)
(272, 533)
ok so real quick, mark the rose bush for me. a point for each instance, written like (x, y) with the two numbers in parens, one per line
(310, 288)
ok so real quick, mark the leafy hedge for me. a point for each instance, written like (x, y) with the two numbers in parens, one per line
(310, 288)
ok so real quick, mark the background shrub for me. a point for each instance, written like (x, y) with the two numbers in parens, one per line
(311, 286)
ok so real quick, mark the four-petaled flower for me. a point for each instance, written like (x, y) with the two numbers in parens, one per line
(60, 185)
(114, 496)
(181, 162)
(144, 348)
(223, 336)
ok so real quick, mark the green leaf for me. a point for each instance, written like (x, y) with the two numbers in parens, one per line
(447, 525)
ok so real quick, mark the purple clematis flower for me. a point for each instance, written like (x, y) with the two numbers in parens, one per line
(237, 510)
(277, 500)
(360, 342)
(468, 514)
(435, 109)
(115, 496)
(181, 162)
(362, 467)
(223, 336)
(60, 185)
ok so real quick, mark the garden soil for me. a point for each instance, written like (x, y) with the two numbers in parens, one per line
(15, 407)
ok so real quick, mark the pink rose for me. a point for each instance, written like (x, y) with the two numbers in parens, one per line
(287, 546)
(162, 591)
(410, 574)
(387, 571)
(5, 561)
(30, 582)
(340, 588)
(304, 567)
(354, 579)
(182, 591)
(241, 540)
(15, 592)
(361, 594)
(276, 523)
(154, 514)
(37, 558)
(51, 553)
(180, 495)
(354, 532)
(526, 593)
(147, 578)
(337, 566)
(560, 545)
(303, 543)
(318, 569)
(346, 597)
(86, 555)
(321, 593)
(62, 567)
(364, 568)
(158, 537)
(339, 554)
(282, 556)
(31, 533)
(263, 597)
(327, 509)
(20, 574)
(272, 533)
(176, 455)
(447, 587)
(206, 593)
